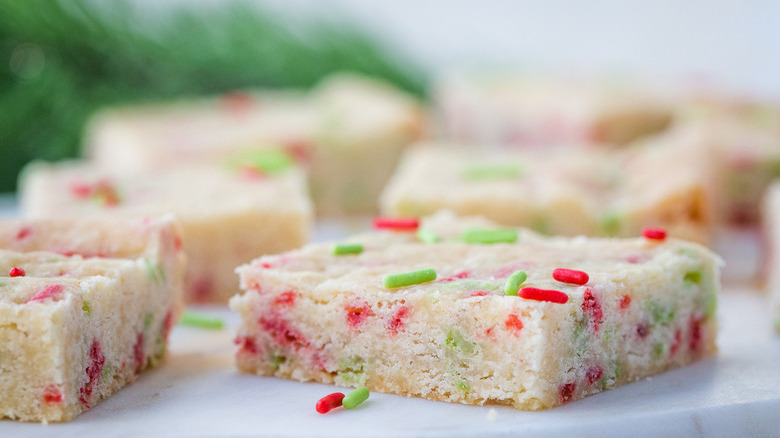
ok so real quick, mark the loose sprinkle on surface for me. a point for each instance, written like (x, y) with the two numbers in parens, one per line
(201, 320)
(396, 223)
(513, 282)
(356, 397)
(570, 276)
(393, 281)
(17, 272)
(532, 293)
(329, 402)
(654, 233)
(347, 248)
(425, 235)
(487, 236)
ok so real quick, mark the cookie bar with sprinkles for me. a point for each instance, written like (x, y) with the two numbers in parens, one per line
(745, 137)
(584, 191)
(532, 111)
(348, 133)
(506, 316)
(255, 205)
(75, 330)
(157, 240)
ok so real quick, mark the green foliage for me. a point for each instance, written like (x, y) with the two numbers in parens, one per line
(61, 60)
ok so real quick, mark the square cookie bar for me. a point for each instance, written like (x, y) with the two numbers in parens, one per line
(348, 133)
(158, 240)
(582, 191)
(228, 215)
(772, 249)
(76, 330)
(476, 314)
(532, 111)
(745, 138)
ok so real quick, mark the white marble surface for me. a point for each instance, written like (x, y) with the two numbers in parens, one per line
(198, 393)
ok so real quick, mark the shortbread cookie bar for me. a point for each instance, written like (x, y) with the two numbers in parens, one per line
(228, 215)
(348, 132)
(478, 315)
(772, 249)
(746, 139)
(158, 240)
(592, 192)
(76, 330)
(532, 111)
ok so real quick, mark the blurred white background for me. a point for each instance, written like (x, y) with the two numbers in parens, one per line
(734, 43)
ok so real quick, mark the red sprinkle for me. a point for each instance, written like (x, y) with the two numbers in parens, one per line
(138, 352)
(593, 374)
(642, 330)
(237, 102)
(570, 276)
(396, 223)
(97, 360)
(329, 402)
(246, 345)
(357, 312)
(458, 276)
(479, 293)
(592, 306)
(283, 333)
(52, 394)
(17, 272)
(654, 233)
(676, 342)
(566, 391)
(513, 322)
(695, 333)
(49, 291)
(396, 322)
(80, 189)
(625, 301)
(532, 293)
(285, 299)
(23, 232)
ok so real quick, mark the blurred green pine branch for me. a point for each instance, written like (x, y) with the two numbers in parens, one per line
(61, 60)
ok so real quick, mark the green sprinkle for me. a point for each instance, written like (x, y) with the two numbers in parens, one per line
(277, 361)
(148, 319)
(86, 307)
(154, 271)
(201, 320)
(463, 386)
(476, 235)
(658, 313)
(347, 248)
(611, 223)
(492, 171)
(457, 342)
(513, 282)
(427, 236)
(693, 276)
(267, 160)
(107, 371)
(352, 370)
(658, 349)
(356, 397)
(393, 281)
